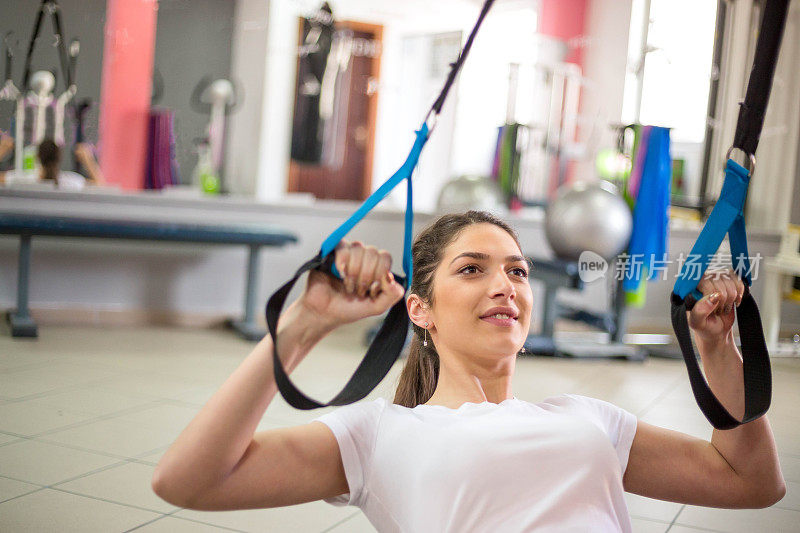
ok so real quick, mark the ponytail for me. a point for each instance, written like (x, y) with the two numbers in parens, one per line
(420, 373)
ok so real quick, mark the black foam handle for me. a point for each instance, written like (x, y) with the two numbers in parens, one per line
(381, 354)
(756, 365)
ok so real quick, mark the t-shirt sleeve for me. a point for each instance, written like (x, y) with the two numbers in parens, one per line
(355, 427)
(617, 423)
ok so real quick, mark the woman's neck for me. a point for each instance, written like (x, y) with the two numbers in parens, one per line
(459, 383)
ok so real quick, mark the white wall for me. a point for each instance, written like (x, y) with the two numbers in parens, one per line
(605, 60)
(248, 67)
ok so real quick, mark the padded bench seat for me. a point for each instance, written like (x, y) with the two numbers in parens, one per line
(254, 236)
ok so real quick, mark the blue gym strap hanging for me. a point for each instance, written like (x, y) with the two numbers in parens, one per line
(727, 217)
(388, 343)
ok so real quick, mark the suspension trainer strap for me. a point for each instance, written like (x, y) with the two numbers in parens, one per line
(727, 217)
(456, 66)
(388, 343)
(51, 7)
(754, 107)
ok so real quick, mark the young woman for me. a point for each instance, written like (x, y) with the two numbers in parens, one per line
(456, 451)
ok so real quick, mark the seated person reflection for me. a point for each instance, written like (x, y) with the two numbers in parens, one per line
(49, 156)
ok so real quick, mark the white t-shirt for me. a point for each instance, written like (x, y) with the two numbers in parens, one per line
(554, 466)
(67, 180)
(71, 181)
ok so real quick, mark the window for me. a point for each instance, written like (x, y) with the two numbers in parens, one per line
(670, 70)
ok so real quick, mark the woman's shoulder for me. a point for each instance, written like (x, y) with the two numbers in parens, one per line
(362, 412)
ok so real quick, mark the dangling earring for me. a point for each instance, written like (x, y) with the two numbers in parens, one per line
(425, 342)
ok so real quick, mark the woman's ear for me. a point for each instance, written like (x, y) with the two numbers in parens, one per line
(417, 310)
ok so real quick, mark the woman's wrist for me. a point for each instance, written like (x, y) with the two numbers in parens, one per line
(302, 326)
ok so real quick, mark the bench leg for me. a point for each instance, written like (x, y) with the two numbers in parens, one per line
(22, 325)
(248, 328)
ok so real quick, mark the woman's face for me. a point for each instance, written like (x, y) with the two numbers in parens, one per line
(481, 296)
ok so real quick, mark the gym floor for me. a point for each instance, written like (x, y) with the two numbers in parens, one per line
(85, 414)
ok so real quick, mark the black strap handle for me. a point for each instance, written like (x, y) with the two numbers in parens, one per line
(756, 366)
(754, 107)
(381, 355)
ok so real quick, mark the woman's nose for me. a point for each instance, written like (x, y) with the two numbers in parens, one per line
(502, 285)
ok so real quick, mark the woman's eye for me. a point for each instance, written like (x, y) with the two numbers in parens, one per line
(521, 272)
(469, 269)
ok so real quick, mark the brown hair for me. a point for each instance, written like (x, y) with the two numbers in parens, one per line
(50, 158)
(421, 371)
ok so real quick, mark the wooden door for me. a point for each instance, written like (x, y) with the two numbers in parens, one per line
(349, 176)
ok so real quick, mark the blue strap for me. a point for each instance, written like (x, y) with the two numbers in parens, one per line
(403, 173)
(726, 217)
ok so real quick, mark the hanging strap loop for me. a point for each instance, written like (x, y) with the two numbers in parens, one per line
(728, 217)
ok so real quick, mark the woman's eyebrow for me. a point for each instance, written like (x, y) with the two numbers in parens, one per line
(482, 257)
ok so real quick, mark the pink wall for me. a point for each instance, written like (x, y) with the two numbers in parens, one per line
(130, 36)
(565, 20)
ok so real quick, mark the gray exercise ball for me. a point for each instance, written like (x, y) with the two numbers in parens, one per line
(588, 216)
(470, 192)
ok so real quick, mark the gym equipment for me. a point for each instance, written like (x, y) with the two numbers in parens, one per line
(779, 284)
(558, 274)
(728, 217)
(387, 345)
(36, 87)
(28, 225)
(218, 98)
(469, 192)
(533, 155)
(588, 216)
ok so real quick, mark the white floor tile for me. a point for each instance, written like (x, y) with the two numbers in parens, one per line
(50, 510)
(92, 400)
(28, 419)
(117, 437)
(307, 517)
(650, 509)
(740, 520)
(685, 529)
(150, 386)
(792, 498)
(56, 377)
(169, 417)
(6, 438)
(44, 464)
(11, 488)
(640, 525)
(790, 466)
(357, 524)
(169, 524)
(126, 484)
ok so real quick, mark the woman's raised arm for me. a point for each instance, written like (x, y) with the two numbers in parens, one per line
(218, 462)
